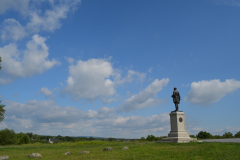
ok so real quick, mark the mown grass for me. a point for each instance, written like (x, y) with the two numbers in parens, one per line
(136, 151)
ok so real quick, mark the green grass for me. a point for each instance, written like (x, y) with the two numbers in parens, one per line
(151, 151)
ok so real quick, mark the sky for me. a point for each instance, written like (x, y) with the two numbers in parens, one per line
(108, 68)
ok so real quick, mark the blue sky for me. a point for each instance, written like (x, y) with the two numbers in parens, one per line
(108, 68)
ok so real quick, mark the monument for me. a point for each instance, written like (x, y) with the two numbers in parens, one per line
(178, 133)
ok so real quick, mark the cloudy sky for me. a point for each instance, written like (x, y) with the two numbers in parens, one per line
(108, 68)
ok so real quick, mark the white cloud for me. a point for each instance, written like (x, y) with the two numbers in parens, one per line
(46, 92)
(143, 99)
(38, 19)
(90, 80)
(31, 61)
(208, 92)
(150, 70)
(131, 76)
(17, 5)
(12, 29)
(235, 3)
(46, 117)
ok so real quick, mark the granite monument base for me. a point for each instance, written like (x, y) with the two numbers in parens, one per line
(178, 133)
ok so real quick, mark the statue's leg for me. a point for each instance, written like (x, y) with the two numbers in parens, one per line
(177, 107)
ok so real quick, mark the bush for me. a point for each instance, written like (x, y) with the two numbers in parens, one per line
(150, 138)
(143, 139)
(203, 135)
(7, 136)
(227, 135)
(24, 140)
(237, 135)
(192, 136)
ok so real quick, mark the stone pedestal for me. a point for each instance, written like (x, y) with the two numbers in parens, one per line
(178, 133)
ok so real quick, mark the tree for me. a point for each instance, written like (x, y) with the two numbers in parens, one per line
(143, 139)
(203, 135)
(150, 138)
(237, 135)
(30, 135)
(24, 140)
(227, 135)
(2, 112)
(7, 136)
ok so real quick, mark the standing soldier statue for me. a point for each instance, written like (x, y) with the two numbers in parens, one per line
(176, 98)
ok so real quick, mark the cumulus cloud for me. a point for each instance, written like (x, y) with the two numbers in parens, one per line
(144, 98)
(46, 117)
(26, 63)
(12, 30)
(19, 5)
(208, 92)
(96, 78)
(46, 92)
(90, 79)
(131, 76)
(38, 19)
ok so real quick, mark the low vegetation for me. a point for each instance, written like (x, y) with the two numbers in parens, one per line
(137, 150)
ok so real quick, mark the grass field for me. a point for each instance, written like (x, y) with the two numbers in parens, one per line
(136, 151)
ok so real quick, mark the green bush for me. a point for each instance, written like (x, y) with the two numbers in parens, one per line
(203, 135)
(7, 136)
(150, 138)
(24, 140)
(237, 135)
(143, 139)
(227, 135)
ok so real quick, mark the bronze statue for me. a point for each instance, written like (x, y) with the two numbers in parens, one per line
(176, 98)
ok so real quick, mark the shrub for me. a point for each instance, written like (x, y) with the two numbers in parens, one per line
(237, 135)
(24, 140)
(227, 135)
(203, 135)
(7, 136)
(143, 139)
(150, 138)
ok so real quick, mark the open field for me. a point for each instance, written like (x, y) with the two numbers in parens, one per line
(136, 151)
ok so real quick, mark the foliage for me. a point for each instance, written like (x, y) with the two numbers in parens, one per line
(24, 140)
(0, 63)
(237, 135)
(192, 136)
(150, 138)
(111, 139)
(30, 135)
(2, 111)
(143, 139)
(227, 135)
(217, 137)
(203, 135)
(7, 136)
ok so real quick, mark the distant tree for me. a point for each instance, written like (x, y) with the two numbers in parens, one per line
(36, 137)
(143, 139)
(30, 135)
(91, 138)
(227, 135)
(83, 139)
(0, 63)
(237, 135)
(216, 137)
(24, 140)
(204, 135)
(150, 138)
(192, 136)
(2, 111)
(7, 136)
(60, 137)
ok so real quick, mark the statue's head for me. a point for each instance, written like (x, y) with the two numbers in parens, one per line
(175, 88)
